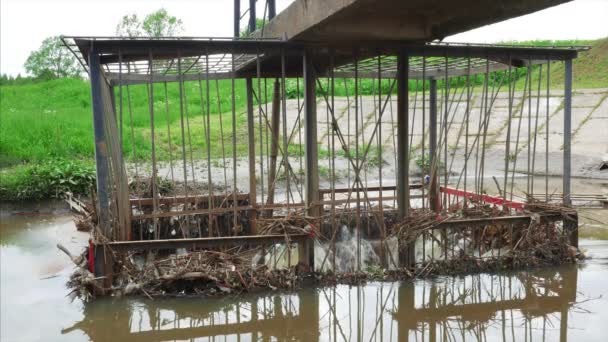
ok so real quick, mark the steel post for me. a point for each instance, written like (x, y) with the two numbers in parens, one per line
(252, 23)
(101, 148)
(237, 18)
(403, 202)
(567, 130)
(434, 164)
(406, 255)
(275, 123)
(310, 150)
(272, 9)
(251, 150)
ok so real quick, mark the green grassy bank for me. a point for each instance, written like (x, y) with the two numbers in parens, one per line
(46, 126)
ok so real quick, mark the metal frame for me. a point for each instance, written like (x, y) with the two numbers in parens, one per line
(114, 62)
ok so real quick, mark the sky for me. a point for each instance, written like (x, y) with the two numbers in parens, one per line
(25, 23)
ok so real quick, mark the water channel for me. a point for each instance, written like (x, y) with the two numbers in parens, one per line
(567, 303)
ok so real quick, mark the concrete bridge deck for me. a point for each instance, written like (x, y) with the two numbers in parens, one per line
(407, 20)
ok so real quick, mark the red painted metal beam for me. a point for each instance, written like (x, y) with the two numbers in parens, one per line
(483, 198)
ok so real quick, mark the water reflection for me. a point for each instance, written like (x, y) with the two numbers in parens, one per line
(519, 306)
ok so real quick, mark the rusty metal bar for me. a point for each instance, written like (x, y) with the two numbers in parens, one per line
(101, 150)
(371, 188)
(519, 219)
(275, 122)
(183, 199)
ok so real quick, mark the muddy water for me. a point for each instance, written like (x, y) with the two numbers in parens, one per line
(562, 303)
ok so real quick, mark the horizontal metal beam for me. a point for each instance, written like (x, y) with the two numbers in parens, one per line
(188, 199)
(519, 219)
(229, 241)
(131, 49)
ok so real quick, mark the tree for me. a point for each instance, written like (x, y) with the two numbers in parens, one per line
(52, 60)
(259, 23)
(156, 24)
(161, 24)
(129, 26)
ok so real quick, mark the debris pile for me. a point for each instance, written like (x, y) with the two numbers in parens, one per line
(463, 249)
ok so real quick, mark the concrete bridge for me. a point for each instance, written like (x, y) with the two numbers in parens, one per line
(405, 20)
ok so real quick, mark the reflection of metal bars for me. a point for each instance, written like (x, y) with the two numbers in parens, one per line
(354, 147)
(454, 308)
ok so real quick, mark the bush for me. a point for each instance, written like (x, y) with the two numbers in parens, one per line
(424, 163)
(48, 180)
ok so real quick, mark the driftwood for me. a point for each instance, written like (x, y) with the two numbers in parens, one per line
(212, 273)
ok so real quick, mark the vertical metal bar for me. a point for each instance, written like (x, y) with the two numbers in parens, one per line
(237, 18)
(210, 203)
(567, 130)
(286, 165)
(547, 133)
(433, 187)
(251, 150)
(407, 256)
(310, 128)
(380, 150)
(508, 139)
(274, 144)
(403, 200)
(333, 159)
(466, 133)
(540, 77)
(358, 164)
(235, 218)
(310, 151)
(446, 102)
(272, 9)
(423, 140)
(101, 149)
(252, 16)
(154, 170)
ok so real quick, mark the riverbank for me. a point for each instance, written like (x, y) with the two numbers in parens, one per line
(49, 122)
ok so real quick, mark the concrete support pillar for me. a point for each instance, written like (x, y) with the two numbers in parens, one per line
(434, 158)
(251, 154)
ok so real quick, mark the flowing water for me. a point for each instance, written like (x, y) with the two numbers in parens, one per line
(560, 303)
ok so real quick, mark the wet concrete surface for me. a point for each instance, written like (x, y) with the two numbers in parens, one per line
(560, 303)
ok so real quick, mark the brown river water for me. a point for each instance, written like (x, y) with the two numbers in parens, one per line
(568, 303)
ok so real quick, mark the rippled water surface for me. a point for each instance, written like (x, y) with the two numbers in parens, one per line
(562, 303)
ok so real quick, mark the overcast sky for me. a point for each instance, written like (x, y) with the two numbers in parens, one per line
(25, 23)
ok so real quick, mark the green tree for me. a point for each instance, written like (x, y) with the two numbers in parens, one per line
(129, 26)
(52, 60)
(156, 24)
(259, 23)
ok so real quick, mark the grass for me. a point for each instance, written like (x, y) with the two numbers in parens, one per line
(50, 121)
